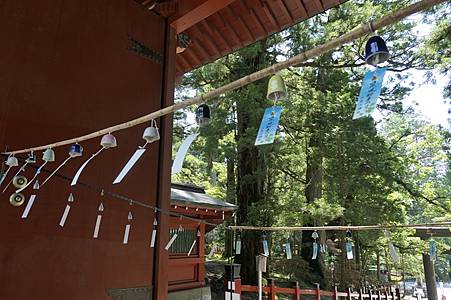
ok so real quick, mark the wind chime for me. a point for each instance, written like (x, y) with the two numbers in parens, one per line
(376, 51)
(11, 162)
(348, 240)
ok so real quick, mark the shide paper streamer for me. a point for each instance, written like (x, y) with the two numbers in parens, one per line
(150, 135)
(181, 153)
(108, 141)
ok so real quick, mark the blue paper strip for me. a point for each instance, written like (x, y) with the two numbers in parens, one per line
(268, 126)
(370, 91)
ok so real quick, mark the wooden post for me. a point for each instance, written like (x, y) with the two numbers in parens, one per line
(398, 294)
(349, 294)
(318, 292)
(238, 286)
(335, 293)
(378, 294)
(385, 294)
(360, 294)
(370, 294)
(272, 289)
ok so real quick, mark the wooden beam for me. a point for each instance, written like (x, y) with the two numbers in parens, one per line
(198, 14)
(426, 233)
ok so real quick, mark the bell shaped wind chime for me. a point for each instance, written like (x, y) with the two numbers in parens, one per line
(276, 88)
(150, 135)
(376, 51)
(18, 180)
(11, 162)
(108, 141)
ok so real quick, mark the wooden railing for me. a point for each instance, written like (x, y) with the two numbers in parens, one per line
(235, 290)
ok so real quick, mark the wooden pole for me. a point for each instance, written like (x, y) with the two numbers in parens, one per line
(358, 32)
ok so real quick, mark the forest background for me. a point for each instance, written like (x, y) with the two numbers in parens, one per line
(325, 168)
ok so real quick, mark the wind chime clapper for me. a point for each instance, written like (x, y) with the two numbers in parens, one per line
(11, 162)
(150, 135)
(376, 50)
(108, 141)
(20, 180)
(75, 150)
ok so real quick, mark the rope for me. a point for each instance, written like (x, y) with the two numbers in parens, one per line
(360, 31)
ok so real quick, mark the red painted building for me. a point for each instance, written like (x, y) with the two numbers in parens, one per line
(73, 67)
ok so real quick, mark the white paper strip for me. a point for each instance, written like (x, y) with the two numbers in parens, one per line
(4, 175)
(265, 247)
(170, 242)
(97, 227)
(288, 250)
(315, 250)
(192, 247)
(152, 239)
(131, 162)
(126, 232)
(77, 175)
(393, 253)
(181, 153)
(349, 254)
(56, 170)
(64, 216)
(238, 246)
(28, 207)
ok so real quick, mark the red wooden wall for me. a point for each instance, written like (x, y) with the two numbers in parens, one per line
(65, 71)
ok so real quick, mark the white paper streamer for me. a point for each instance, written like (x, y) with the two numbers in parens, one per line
(169, 244)
(77, 175)
(64, 216)
(349, 254)
(265, 248)
(131, 162)
(28, 207)
(4, 175)
(238, 246)
(97, 227)
(126, 233)
(56, 170)
(181, 153)
(288, 250)
(192, 247)
(152, 239)
(315, 250)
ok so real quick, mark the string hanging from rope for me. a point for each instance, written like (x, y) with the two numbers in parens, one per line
(344, 228)
(117, 196)
(358, 32)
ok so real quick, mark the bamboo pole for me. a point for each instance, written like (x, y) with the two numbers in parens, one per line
(356, 33)
(426, 226)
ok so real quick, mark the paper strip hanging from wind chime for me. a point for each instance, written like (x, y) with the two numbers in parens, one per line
(194, 242)
(432, 249)
(150, 135)
(349, 253)
(154, 231)
(98, 220)
(28, 207)
(70, 199)
(288, 249)
(173, 238)
(391, 248)
(127, 228)
(268, 126)
(265, 245)
(108, 141)
(315, 245)
(369, 93)
(181, 153)
(238, 245)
